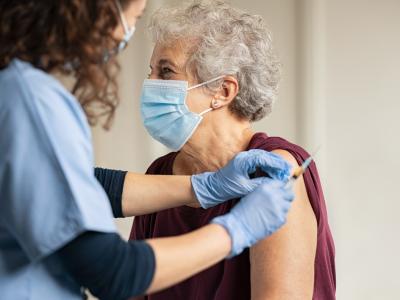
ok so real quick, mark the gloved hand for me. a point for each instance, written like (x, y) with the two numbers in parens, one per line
(233, 181)
(257, 215)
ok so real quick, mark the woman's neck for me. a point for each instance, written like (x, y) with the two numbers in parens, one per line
(213, 146)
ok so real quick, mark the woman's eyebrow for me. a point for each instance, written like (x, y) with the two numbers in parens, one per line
(165, 61)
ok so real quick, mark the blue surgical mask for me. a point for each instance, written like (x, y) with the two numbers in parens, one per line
(165, 113)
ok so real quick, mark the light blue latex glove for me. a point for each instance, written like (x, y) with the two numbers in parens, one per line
(233, 181)
(257, 215)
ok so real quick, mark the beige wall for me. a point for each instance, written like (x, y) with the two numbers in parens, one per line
(341, 88)
(363, 126)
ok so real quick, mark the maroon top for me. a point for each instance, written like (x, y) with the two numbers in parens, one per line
(230, 279)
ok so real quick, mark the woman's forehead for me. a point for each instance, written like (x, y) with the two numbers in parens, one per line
(173, 53)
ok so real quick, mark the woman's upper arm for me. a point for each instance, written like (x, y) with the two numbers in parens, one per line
(282, 266)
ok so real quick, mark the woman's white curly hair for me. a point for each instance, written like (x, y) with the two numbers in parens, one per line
(226, 41)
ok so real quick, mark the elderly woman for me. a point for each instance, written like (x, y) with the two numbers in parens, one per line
(214, 73)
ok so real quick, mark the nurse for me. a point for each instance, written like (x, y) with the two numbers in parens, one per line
(57, 234)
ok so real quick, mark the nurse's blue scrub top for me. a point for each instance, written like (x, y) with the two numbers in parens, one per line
(48, 192)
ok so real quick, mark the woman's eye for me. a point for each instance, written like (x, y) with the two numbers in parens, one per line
(165, 70)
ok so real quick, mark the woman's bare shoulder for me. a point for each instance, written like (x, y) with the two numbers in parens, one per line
(283, 264)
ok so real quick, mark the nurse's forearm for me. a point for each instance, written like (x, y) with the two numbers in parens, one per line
(144, 194)
(114, 269)
(132, 194)
(189, 254)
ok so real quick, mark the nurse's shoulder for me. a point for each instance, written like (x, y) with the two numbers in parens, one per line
(33, 95)
(46, 164)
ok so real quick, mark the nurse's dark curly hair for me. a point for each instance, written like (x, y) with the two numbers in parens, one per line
(67, 37)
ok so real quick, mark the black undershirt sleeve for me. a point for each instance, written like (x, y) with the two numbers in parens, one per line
(108, 266)
(113, 184)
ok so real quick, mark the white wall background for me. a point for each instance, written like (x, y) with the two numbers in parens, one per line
(341, 88)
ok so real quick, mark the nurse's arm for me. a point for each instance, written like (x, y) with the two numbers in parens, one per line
(178, 258)
(144, 194)
(132, 194)
(112, 268)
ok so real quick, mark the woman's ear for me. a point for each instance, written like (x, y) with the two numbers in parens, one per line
(227, 93)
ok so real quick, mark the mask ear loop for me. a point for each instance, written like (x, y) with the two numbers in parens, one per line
(214, 107)
(205, 83)
(128, 32)
(206, 111)
(122, 17)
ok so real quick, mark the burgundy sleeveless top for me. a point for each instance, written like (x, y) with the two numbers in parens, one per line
(230, 279)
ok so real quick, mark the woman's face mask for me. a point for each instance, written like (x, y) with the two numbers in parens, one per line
(128, 33)
(165, 114)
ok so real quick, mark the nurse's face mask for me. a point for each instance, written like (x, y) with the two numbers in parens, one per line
(128, 33)
(165, 114)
